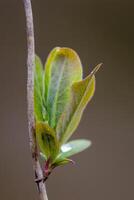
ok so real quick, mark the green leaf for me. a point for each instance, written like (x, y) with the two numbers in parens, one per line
(47, 141)
(73, 147)
(81, 94)
(57, 162)
(61, 162)
(38, 89)
(62, 69)
(43, 156)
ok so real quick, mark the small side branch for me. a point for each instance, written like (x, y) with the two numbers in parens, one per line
(30, 98)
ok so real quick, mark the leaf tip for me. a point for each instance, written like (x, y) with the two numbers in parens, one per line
(96, 68)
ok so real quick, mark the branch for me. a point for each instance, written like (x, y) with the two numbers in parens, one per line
(30, 99)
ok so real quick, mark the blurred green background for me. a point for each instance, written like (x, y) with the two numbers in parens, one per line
(100, 31)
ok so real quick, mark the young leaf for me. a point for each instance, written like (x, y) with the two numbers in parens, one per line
(62, 69)
(38, 89)
(73, 147)
(61, 162)
(81, 94)
(57, 162)
(43, 156)
(47, 140)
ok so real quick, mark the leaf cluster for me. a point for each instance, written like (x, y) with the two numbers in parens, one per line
(60, 97)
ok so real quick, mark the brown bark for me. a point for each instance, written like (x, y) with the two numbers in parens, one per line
(30, 99)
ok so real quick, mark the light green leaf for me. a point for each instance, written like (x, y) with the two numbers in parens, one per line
(38, 89)
(43, 156)
(57, 162)
(73, 147)
(62, 69)
(47, 140)
(81, 94)
(62, 161)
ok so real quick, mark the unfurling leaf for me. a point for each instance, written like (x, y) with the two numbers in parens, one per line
(38, 88)
(47, 140)
(73, 147)
(81, 94)
(62, 69)
(61, 162)
(43, 156)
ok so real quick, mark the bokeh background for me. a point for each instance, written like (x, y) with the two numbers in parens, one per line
(100, 31)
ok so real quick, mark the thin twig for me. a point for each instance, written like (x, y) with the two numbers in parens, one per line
(30, 99)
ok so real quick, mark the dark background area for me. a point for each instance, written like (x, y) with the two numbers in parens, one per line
(100, 31)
